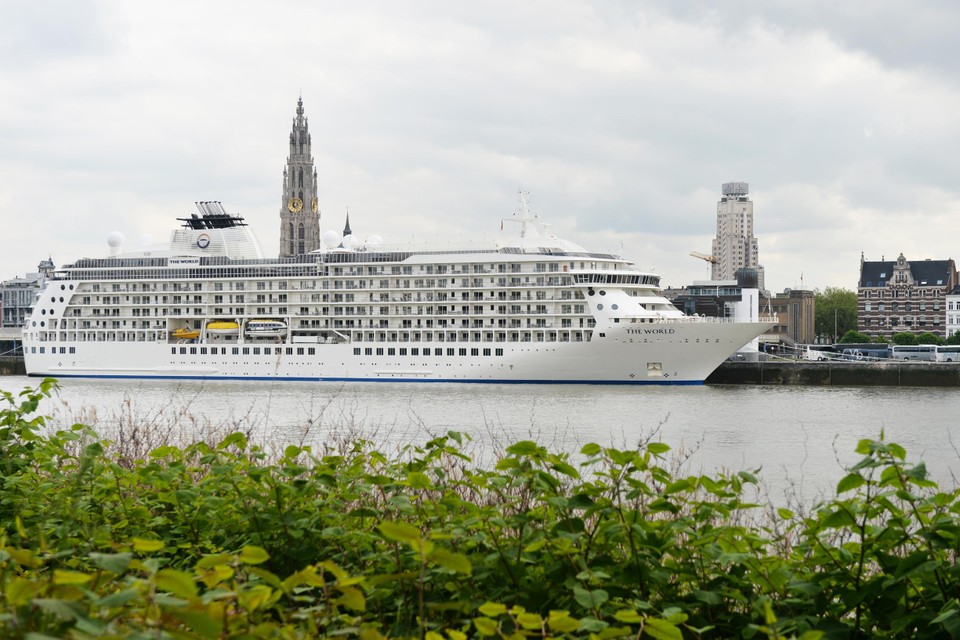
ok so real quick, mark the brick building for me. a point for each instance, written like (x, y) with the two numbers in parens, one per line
(896, 296)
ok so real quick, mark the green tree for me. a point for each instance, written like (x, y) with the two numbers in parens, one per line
(904, 337)
(835, 312)
(853, 336)
(954, 339)
(929, 338)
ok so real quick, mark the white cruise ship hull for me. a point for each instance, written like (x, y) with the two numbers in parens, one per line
(683, 352)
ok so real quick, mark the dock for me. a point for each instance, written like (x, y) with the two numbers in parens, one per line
(838, 373)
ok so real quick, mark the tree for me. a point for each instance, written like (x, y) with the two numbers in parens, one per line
(904, 337)
(835, 312)
(853, 336)
(929, 338)
(954, 339)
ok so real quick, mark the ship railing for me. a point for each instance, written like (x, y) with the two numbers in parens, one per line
(703, 319)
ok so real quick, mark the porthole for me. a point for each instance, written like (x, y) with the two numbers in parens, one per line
(62, 287)
(614, 306)
(61, 298)
(589, 292)
(71, 287)
(42, 324)
(53, 298)
(599, 307)
(602, 292)
(43, 312)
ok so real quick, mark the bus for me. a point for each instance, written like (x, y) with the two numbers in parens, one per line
(923, 352)
(948, 353)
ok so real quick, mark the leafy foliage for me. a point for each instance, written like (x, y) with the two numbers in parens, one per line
(218, 541)
(835, 313)
(854, 337)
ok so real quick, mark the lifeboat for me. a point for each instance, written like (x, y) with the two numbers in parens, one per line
(223, 327)
(185, 334)
(265, 328)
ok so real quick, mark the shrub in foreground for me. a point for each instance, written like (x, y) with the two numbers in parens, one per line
(217, 541)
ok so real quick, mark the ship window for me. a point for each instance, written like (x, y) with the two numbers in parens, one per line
(463, 352)
(73, 349)
(450, 352)
(299, 351)
(391, 351)
(193, 350)
(235, 350)
(203, 351)
(486, 352)
(256, 351)
(403, 352)
(474, 352)
(246, 351)
(356, 351)
(379, 351)
(414, 351)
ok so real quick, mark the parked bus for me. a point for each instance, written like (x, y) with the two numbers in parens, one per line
(863, 350)
(925, 352)
(948, 353)
(820, 352)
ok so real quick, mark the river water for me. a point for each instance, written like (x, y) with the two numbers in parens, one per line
(800, 438)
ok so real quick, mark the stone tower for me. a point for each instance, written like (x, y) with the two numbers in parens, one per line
(299, 209)
(735, 246)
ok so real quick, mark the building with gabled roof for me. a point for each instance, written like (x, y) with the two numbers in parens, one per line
(899, 295)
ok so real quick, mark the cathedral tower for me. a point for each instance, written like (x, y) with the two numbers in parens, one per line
(299, 209)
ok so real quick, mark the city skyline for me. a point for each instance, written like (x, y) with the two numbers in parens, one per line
(620, 121)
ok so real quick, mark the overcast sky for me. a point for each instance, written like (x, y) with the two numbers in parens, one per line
(620, 119)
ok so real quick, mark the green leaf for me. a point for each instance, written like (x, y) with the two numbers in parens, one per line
(117, 599)
(352, 598)
(251, 554)
(591, 449)
(64, 576)
(590, 599)
(785, 514)
(176, 582)
(561, 622)
(523, 448)
(530, 621)
(399, 532)
(662, 630)
(492, 609)
(658, 448)
(453, 561)
(418, 480)
(850, 482)
(113, 562)
(200, 621)
(485, 626)
(142, 545)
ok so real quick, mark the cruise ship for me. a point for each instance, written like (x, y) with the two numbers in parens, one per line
(527, 307)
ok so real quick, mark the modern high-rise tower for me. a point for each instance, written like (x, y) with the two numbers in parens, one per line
(299, 208)
(735, 246)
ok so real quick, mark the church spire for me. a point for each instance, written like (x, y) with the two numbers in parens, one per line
(299, 207)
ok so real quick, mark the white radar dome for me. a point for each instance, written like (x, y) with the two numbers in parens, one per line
(331, 238)
(349, 241)
(115, 239)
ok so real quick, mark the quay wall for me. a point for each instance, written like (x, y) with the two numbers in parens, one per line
(838, 373)
(12, 366)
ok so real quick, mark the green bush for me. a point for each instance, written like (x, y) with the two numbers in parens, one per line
(217, 541)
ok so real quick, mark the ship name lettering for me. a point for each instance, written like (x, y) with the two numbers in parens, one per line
(655, 331)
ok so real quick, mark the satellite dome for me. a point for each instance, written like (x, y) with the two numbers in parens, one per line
(115, 239)
(349, 241)
(331, 238)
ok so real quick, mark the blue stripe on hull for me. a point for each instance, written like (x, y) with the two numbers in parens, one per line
(420, 380)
